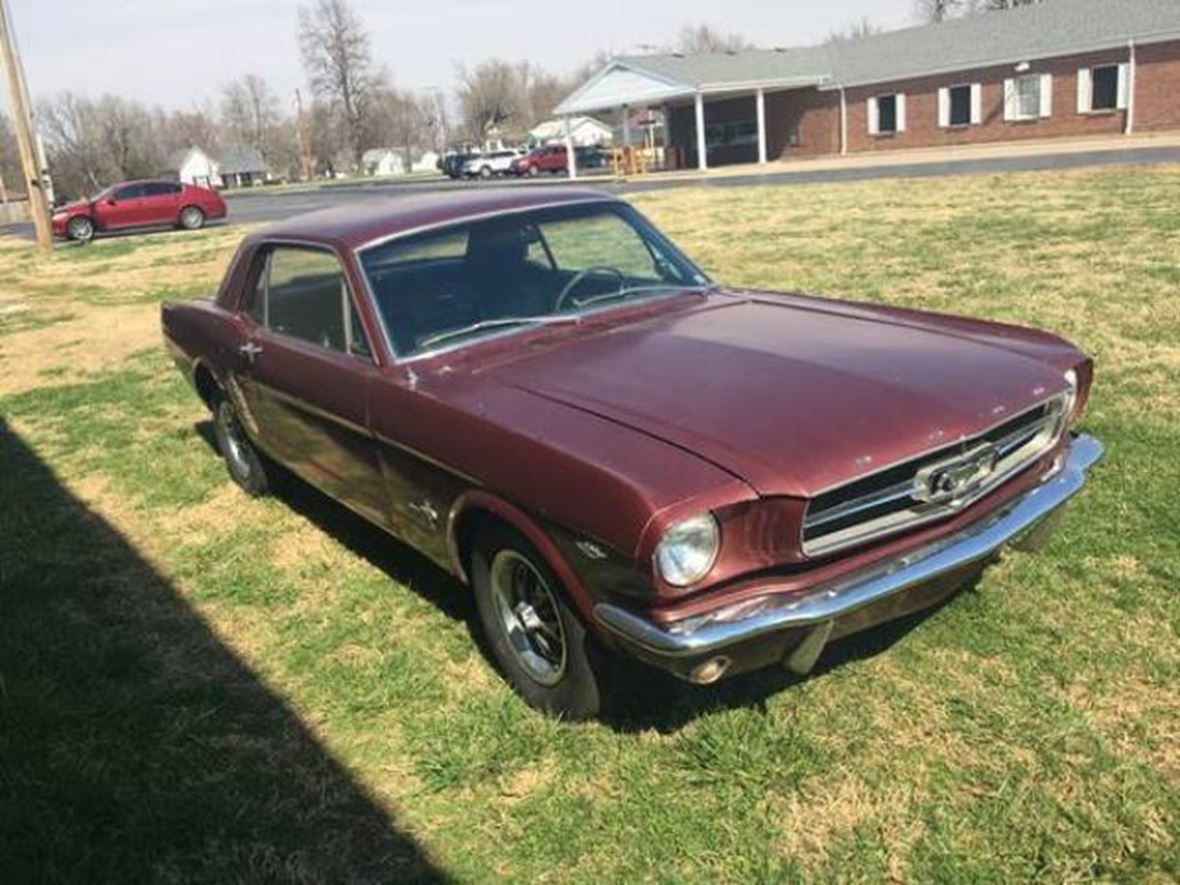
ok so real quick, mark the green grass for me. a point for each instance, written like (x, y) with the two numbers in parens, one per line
(198, 685)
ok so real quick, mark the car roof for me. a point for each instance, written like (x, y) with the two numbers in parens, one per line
(356, 225)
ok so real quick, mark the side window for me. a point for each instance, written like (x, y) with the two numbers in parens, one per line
(306, 297)
(131, 192)
(257, 308)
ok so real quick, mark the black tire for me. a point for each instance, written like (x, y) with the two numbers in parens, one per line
(485, 171)
(575, 690)
(80, 229)
(192, 218)
(245, 464)
(533, 171)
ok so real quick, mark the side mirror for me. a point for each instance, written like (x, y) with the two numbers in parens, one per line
(111, 201)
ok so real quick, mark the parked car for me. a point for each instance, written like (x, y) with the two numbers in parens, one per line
(552, 158)
(491, 163)
(137, 204)
(620, 457)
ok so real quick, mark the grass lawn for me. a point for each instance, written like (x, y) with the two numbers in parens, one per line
(194, 685)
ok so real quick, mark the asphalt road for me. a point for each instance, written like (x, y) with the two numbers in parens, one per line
(263, 206)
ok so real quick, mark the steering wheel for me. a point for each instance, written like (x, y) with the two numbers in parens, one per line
(582, 275)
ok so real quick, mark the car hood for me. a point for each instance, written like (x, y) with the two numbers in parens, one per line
(76, 206)
(792, 398)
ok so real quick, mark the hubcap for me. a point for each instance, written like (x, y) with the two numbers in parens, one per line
(529, 617)
(191, 218)
(231, 434)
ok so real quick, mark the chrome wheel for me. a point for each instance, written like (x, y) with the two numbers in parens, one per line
(529, 616)
(233, 443)
(81, 229)
(192, 218)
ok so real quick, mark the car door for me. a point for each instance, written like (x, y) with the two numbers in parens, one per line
(122, 208)
(160, 203)
(305, 371)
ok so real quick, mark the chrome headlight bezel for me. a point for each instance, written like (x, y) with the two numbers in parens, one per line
(688, 550)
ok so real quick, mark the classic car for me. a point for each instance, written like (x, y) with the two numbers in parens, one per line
(623, 459)
(138, 204)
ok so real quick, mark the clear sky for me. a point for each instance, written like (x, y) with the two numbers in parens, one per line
(177, 53)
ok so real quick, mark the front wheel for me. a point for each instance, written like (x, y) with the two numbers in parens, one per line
(192, 218)
(533, 171)
(241, 458)
(485, 172)
(80, 229)
(539, 642)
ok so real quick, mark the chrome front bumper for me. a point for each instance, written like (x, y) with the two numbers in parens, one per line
(818, 610)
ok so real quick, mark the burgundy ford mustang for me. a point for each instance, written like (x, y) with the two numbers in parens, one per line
(542, 394)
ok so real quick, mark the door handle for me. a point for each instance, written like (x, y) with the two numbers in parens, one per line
(250, 350)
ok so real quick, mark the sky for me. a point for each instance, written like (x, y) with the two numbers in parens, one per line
(178, 53)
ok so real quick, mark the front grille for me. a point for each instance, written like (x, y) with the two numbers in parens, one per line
(923, 489)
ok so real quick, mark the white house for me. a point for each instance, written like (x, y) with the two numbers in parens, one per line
(427, 162)
(383, 161)
(584, 131)
(193, 166)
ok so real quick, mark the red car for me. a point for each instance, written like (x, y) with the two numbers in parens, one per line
(542, 394)
(552, 158)
(135, 204)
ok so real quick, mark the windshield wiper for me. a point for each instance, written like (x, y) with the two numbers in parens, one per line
(542, 320)
(631, 290)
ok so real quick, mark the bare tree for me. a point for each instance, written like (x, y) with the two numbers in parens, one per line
(935, 11)
(250, 112)
(436, 119)
(337, 58)
(704, 38)
(489, 96)
(10, 169)
(863, 27)
(999, 5)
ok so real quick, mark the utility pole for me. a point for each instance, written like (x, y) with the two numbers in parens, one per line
(301, 135)
(18, 96)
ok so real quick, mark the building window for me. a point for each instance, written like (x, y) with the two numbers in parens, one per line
(1103, 88)
(1028, 97)
(887, 114)
(731, 134)
(960, 106)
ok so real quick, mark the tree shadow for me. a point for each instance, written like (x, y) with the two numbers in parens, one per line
(134, 745)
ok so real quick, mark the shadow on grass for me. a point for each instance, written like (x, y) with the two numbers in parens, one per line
(134, 745)
(651, 699)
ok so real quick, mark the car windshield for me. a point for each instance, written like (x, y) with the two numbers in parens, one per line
(455, 285)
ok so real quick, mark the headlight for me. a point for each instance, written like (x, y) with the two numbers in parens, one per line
(688, 550)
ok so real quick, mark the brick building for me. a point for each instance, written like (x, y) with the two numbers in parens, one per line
(1058, 68)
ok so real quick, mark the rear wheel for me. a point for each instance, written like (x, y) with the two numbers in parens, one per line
(537, 639)
(485, 171)
(192, 218)
(533, 171)
(80, 229)
(243, 461)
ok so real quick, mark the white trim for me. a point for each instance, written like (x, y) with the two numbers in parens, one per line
(843, 122)
(976, 104)
(1085, 90)
(944, 107)
(702, 148)
(1123, 87)
(899, 105)
(760, 110)
(1132, 74)
(1046, 95)
(874, 114)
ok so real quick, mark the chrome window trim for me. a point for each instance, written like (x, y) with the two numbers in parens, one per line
(1055, 425)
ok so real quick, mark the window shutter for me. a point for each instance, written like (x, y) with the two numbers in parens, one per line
(1010, 99)
(874, 117)
(976, 104)
(1046, 95)
(1124, 86)
(1085, 90)
(900, 112)
(944, 107)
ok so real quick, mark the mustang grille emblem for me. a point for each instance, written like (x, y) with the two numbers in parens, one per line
(955, 478)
